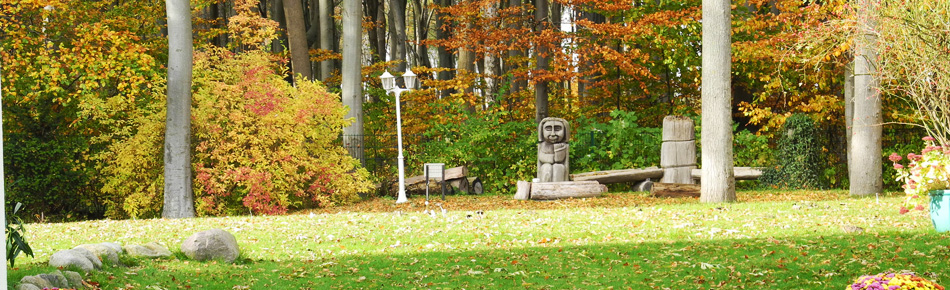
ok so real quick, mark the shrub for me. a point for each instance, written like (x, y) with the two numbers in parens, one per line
(798, 162)
(260, 144)
(620, 143)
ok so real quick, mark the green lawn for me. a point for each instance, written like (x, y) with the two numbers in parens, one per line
(778, 240)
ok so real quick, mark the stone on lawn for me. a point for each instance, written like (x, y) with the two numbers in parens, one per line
(215, 244)
(105, 251)
(26, 286)
(75, 280)
(37, 281)
(150, 250)
(78, 257)
(56, 278)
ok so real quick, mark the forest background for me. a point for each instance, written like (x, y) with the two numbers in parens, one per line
(84, 95)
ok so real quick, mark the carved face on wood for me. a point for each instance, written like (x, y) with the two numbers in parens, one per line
(553, 130)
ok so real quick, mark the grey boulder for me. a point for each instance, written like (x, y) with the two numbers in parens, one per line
(150, 250)
(78, 257)
(215, 244)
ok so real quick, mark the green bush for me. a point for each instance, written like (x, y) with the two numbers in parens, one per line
(798, 162)
(617, 144)
(499, 151)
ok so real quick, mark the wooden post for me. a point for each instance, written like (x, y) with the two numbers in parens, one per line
(678, 154)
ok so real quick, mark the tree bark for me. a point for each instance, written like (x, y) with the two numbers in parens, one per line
(541, 50)
(442, 32)
(849, 110)
(179, 198)
(865, 173)
(675, 190)
(352, 79)
(719, 182)
(325, 12)
(511, 65)
(297, 39)
(422, 31)
(397, 13)
(375, 10)
(277, 12)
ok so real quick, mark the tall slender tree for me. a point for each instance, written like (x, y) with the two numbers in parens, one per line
(865, 169)
(541, 55)
(326, 35)
(352, 79)
(297, 38)
(718, 182)
(179, 198)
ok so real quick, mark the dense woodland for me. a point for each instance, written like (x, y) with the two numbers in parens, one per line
(84, 92)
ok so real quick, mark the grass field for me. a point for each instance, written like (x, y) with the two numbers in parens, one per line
(768, 240)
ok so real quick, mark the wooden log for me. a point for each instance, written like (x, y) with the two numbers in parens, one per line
(524, 188)
(678, 128)
(681, 175)
(434, 189)
(646, 185)
(675, 190)
(460, 185)
(565, 189)
(619, 176)
(741, 173)
(450, 173)
(677, 153)
(475, 186)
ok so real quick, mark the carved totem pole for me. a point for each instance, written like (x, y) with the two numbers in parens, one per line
(553, 157)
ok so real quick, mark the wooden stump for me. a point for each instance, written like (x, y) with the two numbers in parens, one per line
(678, 153)
(558, 190)
(460, 185)
(675, 190)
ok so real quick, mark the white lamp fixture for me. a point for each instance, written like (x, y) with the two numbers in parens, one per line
(389, 84)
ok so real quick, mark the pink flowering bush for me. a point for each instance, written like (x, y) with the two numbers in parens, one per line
(930, 170)
(892, 281)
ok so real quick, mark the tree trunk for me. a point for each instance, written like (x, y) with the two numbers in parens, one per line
(325, 18)
(422, 31)
(450, 173)
(466, 67)
(865, 173)
(352, 79)
(849, 110)
(719, 182)
(277, 11)
(442, 32)
(375, 10)
(475, 186)
(511, 65)
(541, 50)
(297, 39)
(179, 198)
(397, 13)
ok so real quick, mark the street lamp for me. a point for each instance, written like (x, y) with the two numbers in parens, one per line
(389, 84)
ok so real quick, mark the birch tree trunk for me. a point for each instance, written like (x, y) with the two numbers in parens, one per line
(297, 39)
(865, 173)
(718, 183)
(352, 90)
(179, 198)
